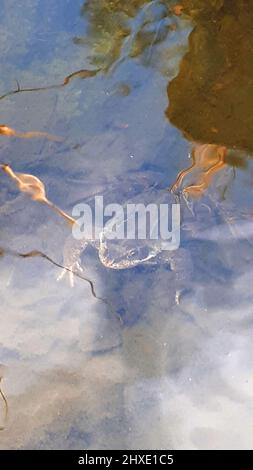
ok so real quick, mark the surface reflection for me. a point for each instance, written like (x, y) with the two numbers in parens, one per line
(210, 99)
(119, 30)
(176, 371)
(207, 161)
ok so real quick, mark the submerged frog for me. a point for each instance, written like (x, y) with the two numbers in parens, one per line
(198, 216)
(137, 188)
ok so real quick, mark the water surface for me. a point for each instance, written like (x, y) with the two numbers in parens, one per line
(173, 89)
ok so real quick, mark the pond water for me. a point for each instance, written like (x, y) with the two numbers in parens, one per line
(165, 362)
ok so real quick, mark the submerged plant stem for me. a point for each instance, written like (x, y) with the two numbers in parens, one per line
(40, 254)
(79, 74)
(5, 405)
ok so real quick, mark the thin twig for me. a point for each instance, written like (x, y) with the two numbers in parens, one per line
(6, 407)
(79, 74)
(40, 254)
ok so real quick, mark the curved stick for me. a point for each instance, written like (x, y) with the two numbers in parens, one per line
(6, 413)
(79, 74)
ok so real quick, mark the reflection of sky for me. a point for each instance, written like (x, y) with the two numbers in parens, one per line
(176, 376)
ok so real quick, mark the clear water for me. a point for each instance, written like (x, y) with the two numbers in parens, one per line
(176, 371)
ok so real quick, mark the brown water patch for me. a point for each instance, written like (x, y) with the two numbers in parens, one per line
(211, 98)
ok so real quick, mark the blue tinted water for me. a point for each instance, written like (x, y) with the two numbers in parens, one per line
(177, 372)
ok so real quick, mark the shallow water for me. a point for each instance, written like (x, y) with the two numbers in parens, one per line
(167, 363)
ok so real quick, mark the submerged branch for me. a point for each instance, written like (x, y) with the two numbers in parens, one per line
(79, 74)
(40, 254)
(6, 406)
